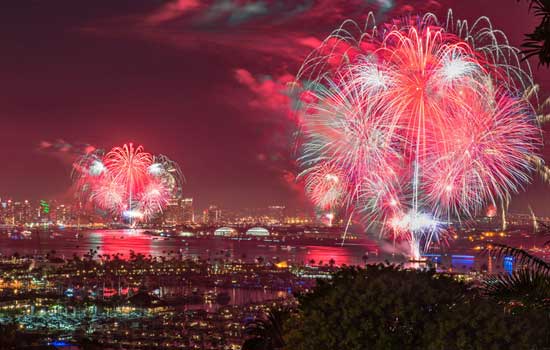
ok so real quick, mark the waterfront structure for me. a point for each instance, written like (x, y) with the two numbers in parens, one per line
(257, 231)
(225, 232)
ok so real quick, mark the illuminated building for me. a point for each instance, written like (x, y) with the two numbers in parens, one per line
(173, 213)
(3, 206)
(298, 220)
(212, 215)
(225, 232)
(188, 214)
(257, 231)
(63, 214)
(178, 211)
(44, 211)
(277, 213)
(20, 212)
(8, 213)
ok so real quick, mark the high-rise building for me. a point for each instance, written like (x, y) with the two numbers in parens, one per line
(22, 212)
(178, 211)
(276, 213)
(18, 216)
(173, 213)
(45, 213)
(28, 216)
(15, 212)
(9, 213)
(63, 214)
(188, 214)
(212, 215)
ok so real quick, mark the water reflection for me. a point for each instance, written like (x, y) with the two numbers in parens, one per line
(65, 244)
(124, 241)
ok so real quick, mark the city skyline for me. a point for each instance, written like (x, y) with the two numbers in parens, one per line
(233, 154)
(275, 174)
(177, 212)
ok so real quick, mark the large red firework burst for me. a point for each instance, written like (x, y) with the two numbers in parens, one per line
(418, 122)
(128, 182)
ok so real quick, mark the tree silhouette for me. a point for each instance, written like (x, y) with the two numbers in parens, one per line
(388, 307)
(537, 43)
(527, 287)
(266, 333)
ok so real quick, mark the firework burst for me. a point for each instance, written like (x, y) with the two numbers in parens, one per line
(128, 182)
(421, 123)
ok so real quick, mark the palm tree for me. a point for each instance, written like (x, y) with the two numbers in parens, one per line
(527, 287)
(266, 333)
(537, 43)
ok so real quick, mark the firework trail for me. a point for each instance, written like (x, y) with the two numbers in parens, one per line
(128, 182)
(417, 123)
(534, 219)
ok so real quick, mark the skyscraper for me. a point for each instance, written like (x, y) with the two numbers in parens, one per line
(179, 211)
(212, 215)
(188, 214)
(173, 213)
(276, 213)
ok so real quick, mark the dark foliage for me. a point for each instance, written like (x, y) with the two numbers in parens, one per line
(528, 287)
(387, 307)
(537, 43)
(521, 257)
(266, 333)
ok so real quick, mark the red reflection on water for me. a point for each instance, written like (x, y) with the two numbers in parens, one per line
(121, 242)
(319, 255)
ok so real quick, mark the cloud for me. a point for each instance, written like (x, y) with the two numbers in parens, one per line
(268, 92)
(234, 12)
(271, 103)
(171, 11)
(65, 151)
(268, 28)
